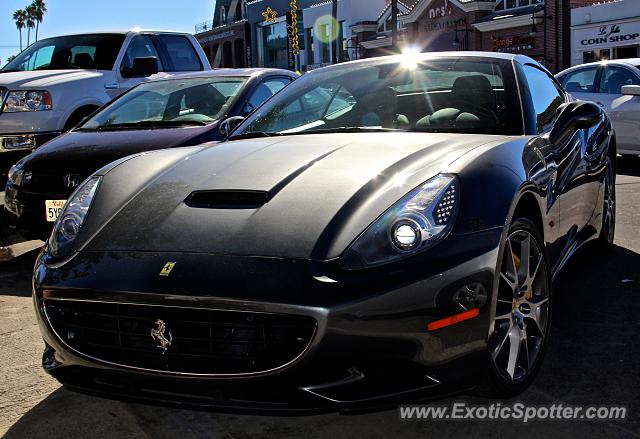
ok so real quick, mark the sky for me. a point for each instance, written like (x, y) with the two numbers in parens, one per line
(72, 16)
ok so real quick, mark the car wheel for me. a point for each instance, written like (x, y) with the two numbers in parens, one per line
(608, 231)
(520, 328)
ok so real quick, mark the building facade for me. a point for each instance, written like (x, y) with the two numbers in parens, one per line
(534, 28)
(299, 34)
(259, 33)
(224, 39)
(603, 31)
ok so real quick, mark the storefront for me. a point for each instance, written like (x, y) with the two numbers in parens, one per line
(224, 39)
(275, 44)
(605, 31)
(527, 27)
(226, 46)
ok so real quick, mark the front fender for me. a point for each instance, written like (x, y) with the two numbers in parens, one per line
(493, 180)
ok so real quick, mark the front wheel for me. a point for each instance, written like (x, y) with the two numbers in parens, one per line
(522, 319)
(608, 230)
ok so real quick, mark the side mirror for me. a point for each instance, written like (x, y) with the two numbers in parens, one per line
(142, 67)
(631, 90)
(574, 116)
(230, 124)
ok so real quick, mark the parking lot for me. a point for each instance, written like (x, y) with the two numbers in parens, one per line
(593, 359)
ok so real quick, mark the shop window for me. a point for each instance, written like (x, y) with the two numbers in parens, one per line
(596, 55)
(512, 4)
(614, 78)
(310, 45)
(325, 35)
(625, 52)
(581, 81)
(272, 45)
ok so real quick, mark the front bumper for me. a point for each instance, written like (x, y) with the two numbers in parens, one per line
(10, 156)
(371, 347)
(25, 210)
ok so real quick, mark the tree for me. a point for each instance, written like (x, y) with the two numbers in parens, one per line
(39, 8)
(20, 17)
(31, 21)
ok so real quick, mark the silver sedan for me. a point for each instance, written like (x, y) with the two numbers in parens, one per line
(615, 86)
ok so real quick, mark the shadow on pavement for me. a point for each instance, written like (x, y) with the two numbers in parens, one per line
(628, 166)
(592, 359)
(15, 275)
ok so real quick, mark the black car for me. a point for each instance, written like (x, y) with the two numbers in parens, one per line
(382, 230)
(181, 110)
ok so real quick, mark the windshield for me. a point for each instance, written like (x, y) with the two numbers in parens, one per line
(92, 52)
(439, 94)
(175, 102)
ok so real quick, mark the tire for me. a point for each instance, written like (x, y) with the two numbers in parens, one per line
(608, 229)
(522, 313)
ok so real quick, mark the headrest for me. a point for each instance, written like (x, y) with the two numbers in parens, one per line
(473, 88)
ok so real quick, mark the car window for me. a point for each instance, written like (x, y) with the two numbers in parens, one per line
(580, 81)
(438, 95)
(545, 95)
(141, 46)
(614, 78)
(264, 91)
(95, 52)
(276, 84)
(196, 101)
(182, 55)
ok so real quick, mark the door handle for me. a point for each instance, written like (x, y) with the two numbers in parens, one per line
(112, 86)
(540, 156)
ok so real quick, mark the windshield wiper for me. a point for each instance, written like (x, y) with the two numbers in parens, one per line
(253, 135)
(346, 130)
(146, 124)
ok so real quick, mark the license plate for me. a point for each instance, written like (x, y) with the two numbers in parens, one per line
(53, 208)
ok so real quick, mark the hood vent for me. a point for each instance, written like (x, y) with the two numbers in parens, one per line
(227, 199)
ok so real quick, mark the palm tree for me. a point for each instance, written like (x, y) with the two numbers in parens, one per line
(20, 17)
(31, 21)
(40, 8)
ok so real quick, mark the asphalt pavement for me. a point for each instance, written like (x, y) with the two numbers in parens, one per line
(593, 358)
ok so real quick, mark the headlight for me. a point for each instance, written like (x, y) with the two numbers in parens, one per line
(18, 177)
(71, 219)
(417, 222)
(18, 101)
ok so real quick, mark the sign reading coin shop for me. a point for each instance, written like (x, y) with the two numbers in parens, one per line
(609, 35)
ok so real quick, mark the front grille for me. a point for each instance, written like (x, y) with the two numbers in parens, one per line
(202, 341)
(52, 183)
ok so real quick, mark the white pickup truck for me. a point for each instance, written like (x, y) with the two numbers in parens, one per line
(56, 82)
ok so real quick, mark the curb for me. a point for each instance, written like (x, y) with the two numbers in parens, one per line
(13, 251)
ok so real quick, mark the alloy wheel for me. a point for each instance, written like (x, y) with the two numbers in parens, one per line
(522, 311)
(609, 210)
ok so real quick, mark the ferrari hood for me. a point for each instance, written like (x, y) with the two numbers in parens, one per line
(319, 193)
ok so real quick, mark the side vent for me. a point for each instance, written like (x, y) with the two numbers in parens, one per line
(227, 199)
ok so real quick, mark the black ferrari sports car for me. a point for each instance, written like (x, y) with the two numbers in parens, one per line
(382, 230)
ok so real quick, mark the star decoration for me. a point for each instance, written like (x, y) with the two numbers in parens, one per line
(270, 16)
